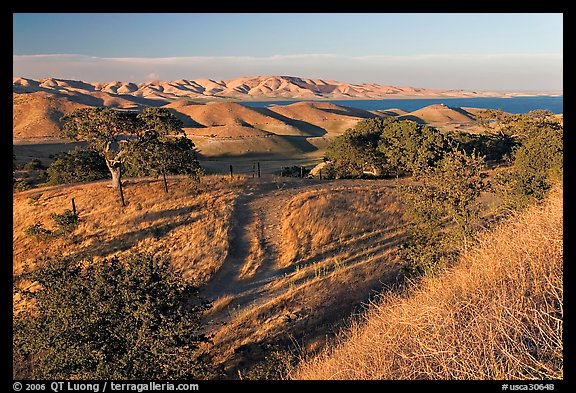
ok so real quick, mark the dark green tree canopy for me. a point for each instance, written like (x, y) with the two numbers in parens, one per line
(155, 155)
(78, 165)
(409, 147)
(385, 147)
(124, 318)
(107, 130)
(356, 151)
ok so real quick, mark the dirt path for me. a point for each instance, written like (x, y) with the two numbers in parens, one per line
(252, 262)
(254, 246)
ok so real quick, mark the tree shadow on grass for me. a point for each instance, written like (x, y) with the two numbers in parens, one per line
(127, 240)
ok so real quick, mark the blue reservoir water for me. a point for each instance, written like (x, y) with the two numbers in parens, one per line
(511, 105)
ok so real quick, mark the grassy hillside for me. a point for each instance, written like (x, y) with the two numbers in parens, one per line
(498, 314)
(275, 256)
(191, 221)
(37, 115)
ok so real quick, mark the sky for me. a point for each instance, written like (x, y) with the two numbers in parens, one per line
(482, 52)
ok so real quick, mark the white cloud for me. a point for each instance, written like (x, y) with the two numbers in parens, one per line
(153, 76)
(466, 71)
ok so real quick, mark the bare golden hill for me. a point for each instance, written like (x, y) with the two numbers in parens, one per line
(439, 113)
(242, 88)
(498, 314)
(227, 131)
(445, 117)
(330, 117)
(226, 114)
(319, 112)
(391, 112)
(37, 115)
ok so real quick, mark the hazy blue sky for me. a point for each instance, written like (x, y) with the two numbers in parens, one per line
(456, 51)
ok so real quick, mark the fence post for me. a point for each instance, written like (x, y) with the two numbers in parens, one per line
(258, 169)
(282, 172)
(165, 182)
(301, 172)
(74, 208)
(320, 174)
(253, 170)
(121, 193)
(231, 172)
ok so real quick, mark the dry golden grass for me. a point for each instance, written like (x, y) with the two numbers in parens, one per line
(227, 131)
(226, 114)
(189, 225)
(38, 114)
(256, 252)
(320, 222)
(498, 314)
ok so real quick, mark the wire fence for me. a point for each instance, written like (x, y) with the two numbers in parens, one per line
(258, 169)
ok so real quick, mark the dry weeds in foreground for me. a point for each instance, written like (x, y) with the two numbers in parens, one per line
(496, 315)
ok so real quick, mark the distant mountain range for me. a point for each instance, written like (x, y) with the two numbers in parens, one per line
(244, 88)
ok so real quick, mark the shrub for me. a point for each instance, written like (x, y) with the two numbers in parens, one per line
(293, 171)
(22, 185)
(33, 164)
(387, 147)
(497, 147)
(79, 165)
(37, 230)
(34, 198)
(356, 151)
(537, 163)
(410, 148)
(277, 365)
(65, 222)
(115, 319)
(442, 211)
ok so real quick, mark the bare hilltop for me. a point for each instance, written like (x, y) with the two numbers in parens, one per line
(243, 88)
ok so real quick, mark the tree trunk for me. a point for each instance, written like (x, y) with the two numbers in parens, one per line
(115, 177)
(114, 168)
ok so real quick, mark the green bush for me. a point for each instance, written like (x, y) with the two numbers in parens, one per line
(385, 147)
(79, 165)
(33, 164)
(34, 198)
(536, 164)
(42, 175)
(114, 319)
(497, 147)
(65, 222)
(37, 230)
(22, 185)
(356, 151)
(410, 148)
(293, 171)
(442, 211)
(278, 363)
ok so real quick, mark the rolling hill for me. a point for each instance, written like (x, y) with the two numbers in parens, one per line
(439, 113)
(441, 116)
(243, 88)
(37, 115)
